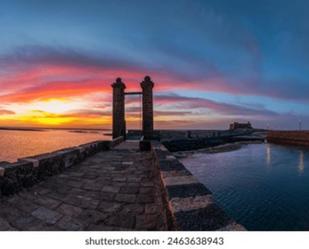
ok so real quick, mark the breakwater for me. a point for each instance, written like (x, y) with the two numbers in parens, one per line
(201, 143)
(189, 204)
(106, 185)
(186, 140)
(298, 138)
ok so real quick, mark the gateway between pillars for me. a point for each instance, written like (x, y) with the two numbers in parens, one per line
(119, 123)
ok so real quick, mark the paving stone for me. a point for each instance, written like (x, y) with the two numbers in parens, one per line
(143, 198)
(72, 199)
(109, 206)
(22, 222)
(121, 221)
(152, 208)
(88, 217)
(47, 215)
(68, 224)
(146, 222)
(146, 190)
(69, 210)
(23, 204)
(103, 227)
(127, 163)
(44, 191)
(47, 202)
(92, 186)
(112, 189)
(133, 184)
(41, 227)
(5, 226)
(89, 203)
(107, 196)
(147, 184)
(129, 190)
(128, 198)
(74, 184)
(119, 179)
(132, 208)
(102, 193)
(57, 196)
(134, 179)
(121, 184)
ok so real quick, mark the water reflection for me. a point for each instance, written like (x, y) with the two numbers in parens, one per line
(268, 154)
(301, 164)
(262, 186)
(17, 144)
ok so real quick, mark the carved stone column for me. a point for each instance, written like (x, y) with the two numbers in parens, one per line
(119, 127)
(147, 86)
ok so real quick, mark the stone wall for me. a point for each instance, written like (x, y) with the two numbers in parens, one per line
(191, 144)
(189, 204)
(31, 170)
(299, 138)
(179, 134)
(200, 143)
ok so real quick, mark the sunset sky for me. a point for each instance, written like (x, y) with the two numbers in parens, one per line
(212, 62)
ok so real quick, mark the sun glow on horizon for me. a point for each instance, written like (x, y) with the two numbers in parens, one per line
(55, 106)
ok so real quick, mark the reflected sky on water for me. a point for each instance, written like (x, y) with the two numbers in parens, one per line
(17, 144)
(262, 186)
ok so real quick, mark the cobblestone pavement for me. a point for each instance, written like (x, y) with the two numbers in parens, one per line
(113, 190)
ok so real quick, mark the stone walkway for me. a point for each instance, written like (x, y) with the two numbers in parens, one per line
(113, 190)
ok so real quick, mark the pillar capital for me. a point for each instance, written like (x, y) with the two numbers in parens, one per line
(147, 83)
(119, 84)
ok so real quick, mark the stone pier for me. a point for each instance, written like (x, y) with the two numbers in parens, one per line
(100, 188)
(117, 189)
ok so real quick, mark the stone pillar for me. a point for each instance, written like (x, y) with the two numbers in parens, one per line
(147, 86)
(119, 128)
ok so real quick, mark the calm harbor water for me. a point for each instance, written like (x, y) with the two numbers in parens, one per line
(262, 186)
(16, 144)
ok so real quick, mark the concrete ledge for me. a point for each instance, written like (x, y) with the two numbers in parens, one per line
(190, 205)
(179, 180)
(30, 170)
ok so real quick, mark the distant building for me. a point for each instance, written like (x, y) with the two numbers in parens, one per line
(236, 125)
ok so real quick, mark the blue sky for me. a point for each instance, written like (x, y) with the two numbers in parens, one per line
(240, 60)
